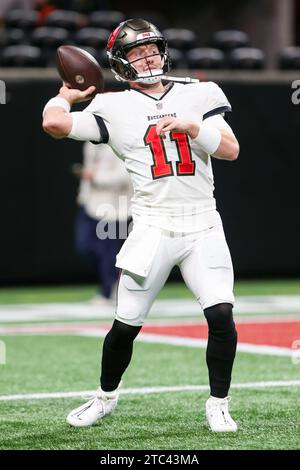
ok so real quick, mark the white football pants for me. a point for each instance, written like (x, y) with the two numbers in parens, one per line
(205, 264)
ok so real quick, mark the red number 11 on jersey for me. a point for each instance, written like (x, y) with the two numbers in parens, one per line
(161, 166)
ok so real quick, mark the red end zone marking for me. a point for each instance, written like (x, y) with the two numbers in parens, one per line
(280, 334)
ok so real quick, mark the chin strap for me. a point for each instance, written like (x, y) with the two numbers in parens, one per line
(157, 78)
(179, 79)
(160, 76)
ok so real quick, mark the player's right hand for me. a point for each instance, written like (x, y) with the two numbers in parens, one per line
(75, 96)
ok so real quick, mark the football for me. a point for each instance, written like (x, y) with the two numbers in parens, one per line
(79, 69)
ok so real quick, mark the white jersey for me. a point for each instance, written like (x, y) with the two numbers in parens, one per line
(172, 178)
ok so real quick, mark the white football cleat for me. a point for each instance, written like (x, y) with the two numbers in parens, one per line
(218, 417)
(95, 409)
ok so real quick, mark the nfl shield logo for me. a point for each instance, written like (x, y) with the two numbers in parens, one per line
(159, 105)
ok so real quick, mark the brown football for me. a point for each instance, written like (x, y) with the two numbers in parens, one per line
(79, 69)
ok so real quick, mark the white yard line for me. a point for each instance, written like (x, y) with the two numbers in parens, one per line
(148, 390)
(285, 304)
(201, 343)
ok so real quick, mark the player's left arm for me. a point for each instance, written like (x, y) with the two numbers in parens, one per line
(215, 136)
(229, 147)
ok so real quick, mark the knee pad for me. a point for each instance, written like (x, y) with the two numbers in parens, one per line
(219, 317)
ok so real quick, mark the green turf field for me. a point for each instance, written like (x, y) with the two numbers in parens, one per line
(81, 293)
(268, 418)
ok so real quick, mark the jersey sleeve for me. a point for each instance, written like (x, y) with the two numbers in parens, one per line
(219, 122)
(216, 101)
(96, 108)
(84, 127)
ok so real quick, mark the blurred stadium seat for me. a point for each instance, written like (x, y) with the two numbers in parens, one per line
(48, 37)
(94, 37)
(153, 16)
(24, 19)
(12, 36)
(22, 56)
(205, 58)
(227, 40)
(70, 20)
(289, 58)
(177, 58)
(106, 19)
(178, 38)
(247, 58)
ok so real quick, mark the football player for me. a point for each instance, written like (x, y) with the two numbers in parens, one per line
(166, 135)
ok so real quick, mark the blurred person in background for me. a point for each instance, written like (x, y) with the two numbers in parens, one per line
(104, 195)
(44, 7)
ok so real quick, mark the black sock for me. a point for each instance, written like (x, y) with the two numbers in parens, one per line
(221, 348)
(116, 354)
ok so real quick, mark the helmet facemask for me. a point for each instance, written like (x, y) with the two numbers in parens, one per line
(151, 75)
